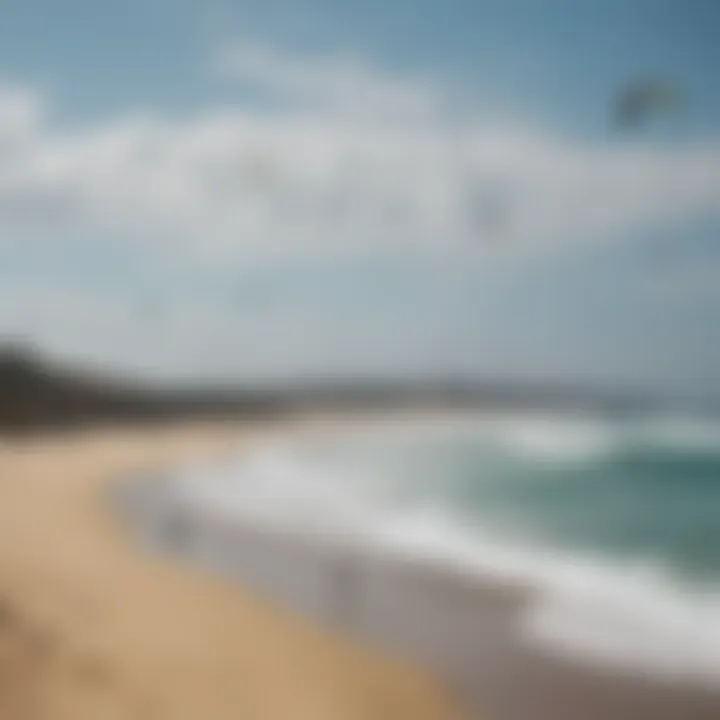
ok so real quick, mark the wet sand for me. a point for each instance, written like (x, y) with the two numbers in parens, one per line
(94, 627)
(470, 632)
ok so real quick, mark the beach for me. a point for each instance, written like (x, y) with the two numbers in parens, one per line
(238, 619)
(92, 626)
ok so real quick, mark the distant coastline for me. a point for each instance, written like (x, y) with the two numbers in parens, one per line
(37, 394)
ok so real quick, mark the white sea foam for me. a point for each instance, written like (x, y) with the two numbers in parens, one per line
(634, 616)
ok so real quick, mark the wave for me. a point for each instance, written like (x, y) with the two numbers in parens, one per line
(546, 437)
(632, 617)
(634, 614)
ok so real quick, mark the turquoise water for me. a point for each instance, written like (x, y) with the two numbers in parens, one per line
(648, 491)
(645, 501)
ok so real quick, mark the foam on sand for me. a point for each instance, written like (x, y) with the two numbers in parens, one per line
(631, 616)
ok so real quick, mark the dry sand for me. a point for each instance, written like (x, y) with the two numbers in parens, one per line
(93, 628)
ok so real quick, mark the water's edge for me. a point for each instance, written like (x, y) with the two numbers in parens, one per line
(466, 629)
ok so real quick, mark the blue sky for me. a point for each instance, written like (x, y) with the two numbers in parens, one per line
(557, 59)
(282, 188)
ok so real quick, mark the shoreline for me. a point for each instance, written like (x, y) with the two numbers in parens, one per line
(463, 628)
(93, 626)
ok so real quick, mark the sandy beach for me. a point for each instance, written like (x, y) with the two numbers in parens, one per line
(94, 623)
(93, 627)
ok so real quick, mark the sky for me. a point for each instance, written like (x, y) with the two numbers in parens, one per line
(284, 189)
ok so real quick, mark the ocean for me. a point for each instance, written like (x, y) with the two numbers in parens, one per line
(613, 523)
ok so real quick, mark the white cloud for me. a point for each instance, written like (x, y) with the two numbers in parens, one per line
(20, 112)
(225, 183)
(230, 181)
(345, 85)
